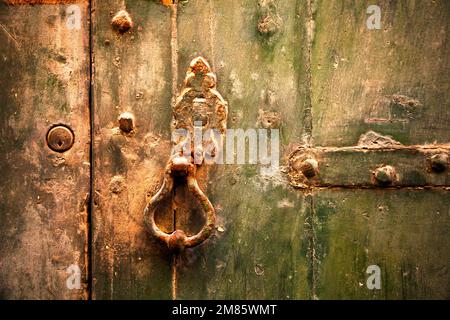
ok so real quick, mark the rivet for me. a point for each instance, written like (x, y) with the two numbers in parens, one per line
(308, 167)
(126, 122)
(439, 162)
(122, 21)
(60, 138)
(385, 175)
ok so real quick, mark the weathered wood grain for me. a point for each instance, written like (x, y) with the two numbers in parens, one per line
(358, 74)
(132, 73)
(395, 82)
(260, 249)
(44, 80)
(404, 232)
(272, 241)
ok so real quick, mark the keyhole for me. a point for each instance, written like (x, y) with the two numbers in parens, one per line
(60, 138)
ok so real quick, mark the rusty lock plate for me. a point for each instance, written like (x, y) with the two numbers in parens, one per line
(60, 138)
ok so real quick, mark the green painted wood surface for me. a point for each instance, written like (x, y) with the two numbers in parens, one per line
(44, 72)
(395, 82)
(272, 241)
(260, 249)
(404, 232)
(356, 71)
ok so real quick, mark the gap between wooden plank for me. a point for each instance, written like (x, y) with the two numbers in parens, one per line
(89, 276)
(174, 58)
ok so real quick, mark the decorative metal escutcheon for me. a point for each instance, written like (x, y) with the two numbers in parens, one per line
(198, 108)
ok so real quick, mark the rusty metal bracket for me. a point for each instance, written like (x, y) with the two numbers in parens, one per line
(198, 106)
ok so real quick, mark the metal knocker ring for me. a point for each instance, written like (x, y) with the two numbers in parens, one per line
(178, 240)
(199, 102)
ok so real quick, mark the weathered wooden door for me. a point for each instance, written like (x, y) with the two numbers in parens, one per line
(358, 207)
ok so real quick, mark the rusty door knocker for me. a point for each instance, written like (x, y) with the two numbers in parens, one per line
(200, 105)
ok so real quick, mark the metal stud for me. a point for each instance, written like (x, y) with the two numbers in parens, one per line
(385, 175)
(439, 162)
(126, 122)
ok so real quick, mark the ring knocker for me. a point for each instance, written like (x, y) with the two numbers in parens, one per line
(198, 101)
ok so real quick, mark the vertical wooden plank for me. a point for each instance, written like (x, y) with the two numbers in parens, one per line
(394, 81)
(44, 81)
(404, 232)
(132, 73)
(259, 250)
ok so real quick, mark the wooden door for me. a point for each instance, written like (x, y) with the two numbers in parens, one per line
(364, 135)
(351, 98)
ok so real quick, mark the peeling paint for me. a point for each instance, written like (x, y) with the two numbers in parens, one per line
(285, 203)
(269, 119)
(371, 139)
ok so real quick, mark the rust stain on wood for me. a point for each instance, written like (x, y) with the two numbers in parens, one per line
(169, 2)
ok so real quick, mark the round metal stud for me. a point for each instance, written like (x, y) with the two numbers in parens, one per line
(385, 175)
(126, 122)
(309, 168)
(122, 21)
(439, 162)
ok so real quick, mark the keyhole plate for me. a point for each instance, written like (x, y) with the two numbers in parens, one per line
(60, 138)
